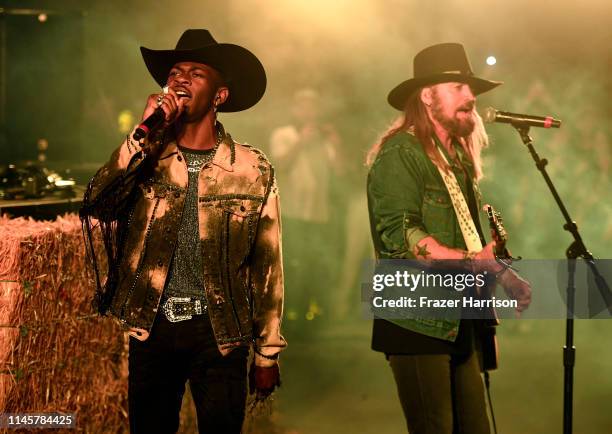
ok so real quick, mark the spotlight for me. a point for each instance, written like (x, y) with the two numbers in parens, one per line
(491, 60)
(42, 18)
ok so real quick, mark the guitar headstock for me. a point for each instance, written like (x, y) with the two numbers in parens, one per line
(496, 223)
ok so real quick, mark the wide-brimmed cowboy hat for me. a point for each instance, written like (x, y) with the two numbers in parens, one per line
(242, 72)
(441, 63)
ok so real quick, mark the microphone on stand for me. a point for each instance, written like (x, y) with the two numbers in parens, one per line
(516, 119)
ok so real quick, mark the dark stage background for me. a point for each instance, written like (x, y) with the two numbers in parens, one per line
(76, 78)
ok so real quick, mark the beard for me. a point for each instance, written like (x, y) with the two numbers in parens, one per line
(456, 127)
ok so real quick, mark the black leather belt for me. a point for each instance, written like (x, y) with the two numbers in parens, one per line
(182, 308)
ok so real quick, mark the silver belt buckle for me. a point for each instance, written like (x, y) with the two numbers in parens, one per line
(169, 309)
(173, 302)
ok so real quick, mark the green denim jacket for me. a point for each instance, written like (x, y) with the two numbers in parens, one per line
(407, 201)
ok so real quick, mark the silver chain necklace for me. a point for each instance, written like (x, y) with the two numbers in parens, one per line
(197, 160)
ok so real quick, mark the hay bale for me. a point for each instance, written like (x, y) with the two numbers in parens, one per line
(56, 354)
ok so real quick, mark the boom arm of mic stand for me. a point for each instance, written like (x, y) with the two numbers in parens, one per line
(577, 249)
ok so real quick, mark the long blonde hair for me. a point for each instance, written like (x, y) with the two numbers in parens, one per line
(415, 120)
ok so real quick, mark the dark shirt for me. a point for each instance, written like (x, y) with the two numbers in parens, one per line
(185, 277)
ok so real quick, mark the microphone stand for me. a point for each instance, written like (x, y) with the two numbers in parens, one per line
(576, 250)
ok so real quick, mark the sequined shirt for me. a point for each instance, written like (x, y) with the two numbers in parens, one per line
(185, 277)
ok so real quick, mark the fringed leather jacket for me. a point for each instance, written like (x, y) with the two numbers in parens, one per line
(136, 200)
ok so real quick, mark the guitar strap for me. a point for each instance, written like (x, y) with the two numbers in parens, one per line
(462, 211)
(474, 244)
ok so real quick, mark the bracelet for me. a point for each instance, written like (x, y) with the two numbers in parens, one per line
(274, 357)
(499, 273)
(505, 264)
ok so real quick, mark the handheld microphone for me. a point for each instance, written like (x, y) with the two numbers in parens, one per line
(150, 123)
(516, 119)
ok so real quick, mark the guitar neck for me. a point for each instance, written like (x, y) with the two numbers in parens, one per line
(501, 237)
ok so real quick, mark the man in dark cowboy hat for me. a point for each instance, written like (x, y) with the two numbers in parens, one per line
(424, 172)
(191, 225)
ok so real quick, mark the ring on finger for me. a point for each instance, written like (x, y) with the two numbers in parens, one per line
(160, 99)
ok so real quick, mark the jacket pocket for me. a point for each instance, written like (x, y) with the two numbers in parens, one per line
(241, 208)
(240, 218)
(436, 196)
(438, 211)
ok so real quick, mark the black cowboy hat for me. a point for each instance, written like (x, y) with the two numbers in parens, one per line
(440, 63)
(243, 73)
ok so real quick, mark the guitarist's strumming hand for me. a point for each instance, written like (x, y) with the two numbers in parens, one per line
(516, 288)
(485, 259)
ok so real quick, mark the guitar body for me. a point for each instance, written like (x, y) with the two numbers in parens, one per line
(486, 333)
(485, 330)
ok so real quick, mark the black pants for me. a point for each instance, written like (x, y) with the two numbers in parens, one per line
(441, 393)
(174, 353)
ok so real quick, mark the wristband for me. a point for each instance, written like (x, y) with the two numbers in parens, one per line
(505, 264)
(498, 274)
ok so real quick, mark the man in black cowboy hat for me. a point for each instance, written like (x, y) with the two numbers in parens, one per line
(424, 172)
(191, 225)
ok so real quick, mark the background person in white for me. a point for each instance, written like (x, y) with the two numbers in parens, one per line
(305, 156)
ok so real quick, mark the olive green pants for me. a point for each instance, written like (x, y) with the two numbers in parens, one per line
(441, 394)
